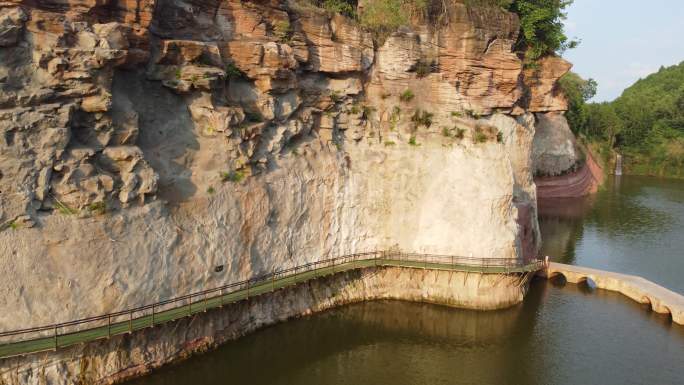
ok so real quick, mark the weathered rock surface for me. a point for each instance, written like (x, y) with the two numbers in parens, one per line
(147, 142)
(554, 151)
(542, 81)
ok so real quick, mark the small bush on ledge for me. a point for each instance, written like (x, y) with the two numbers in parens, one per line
(233, 72)
(235, 176)
(407, 96)
(423, 69)
(422, 118)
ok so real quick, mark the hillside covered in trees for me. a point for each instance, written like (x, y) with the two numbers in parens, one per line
(645, 124)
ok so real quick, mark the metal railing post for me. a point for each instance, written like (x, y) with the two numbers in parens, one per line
(273, 280)
(152, 323)
(248, 289)
(130, 322)
(56, 345)
(206, 304)
(221, 297)
(295, 274)
(190, 306)
(109, 326)
(333, 266)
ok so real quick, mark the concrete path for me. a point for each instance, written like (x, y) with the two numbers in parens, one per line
(641, 290)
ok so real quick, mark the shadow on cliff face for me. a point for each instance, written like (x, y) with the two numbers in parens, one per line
(166, 132)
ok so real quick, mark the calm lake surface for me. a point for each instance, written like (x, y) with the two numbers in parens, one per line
(558, 335)
(635, 226)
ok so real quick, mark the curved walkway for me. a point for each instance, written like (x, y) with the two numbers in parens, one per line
(662, 300)
(52, 337)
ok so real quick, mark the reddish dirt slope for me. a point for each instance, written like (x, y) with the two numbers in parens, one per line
(585, 181)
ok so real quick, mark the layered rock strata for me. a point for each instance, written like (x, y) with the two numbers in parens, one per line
(146, 143)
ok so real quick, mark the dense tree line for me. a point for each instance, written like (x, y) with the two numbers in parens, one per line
(646, 123)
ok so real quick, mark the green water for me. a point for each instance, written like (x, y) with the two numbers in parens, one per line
(558, 335)
(635, 225)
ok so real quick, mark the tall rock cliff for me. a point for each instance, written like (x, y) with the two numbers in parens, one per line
(145, 143)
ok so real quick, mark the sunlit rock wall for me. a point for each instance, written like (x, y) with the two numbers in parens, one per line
(145, 143)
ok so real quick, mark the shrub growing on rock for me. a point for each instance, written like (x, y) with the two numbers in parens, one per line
(407, 96)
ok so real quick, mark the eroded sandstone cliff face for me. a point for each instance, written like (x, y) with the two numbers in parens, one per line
(147, 142)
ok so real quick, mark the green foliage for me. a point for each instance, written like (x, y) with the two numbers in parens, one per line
(541, 27)
(389, 143)
(422, 118)
(480, 136)
(472, 114)
(64, 209)
(456, 114)
(423, 68)
(459, 133)
(541, 21)
(446, 132)
(14, 225)
(211, 190)
(499, 137)
(383, 17)
(505, 4)
(651, 113)
(578, 91)
(98, 207)
(407, 96)
(283, 30)
(395, 116)
(253, 116)
(233, 176)
(646, 123)
(335, 96)
(179, 74)
(232, 71)
(412, 141)
(343, 7)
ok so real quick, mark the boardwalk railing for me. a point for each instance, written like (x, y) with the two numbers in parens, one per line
(52, 337)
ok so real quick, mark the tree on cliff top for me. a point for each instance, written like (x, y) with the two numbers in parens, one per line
(541, 21)
(541, 27)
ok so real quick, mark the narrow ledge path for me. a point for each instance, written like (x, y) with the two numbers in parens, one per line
(53, 337)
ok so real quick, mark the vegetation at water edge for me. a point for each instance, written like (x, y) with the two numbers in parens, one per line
(645, 124)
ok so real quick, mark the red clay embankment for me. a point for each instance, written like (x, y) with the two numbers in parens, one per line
(582, 182)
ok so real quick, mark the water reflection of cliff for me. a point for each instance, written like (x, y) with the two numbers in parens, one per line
(633, 209)
(363, 342)
(561, 223)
